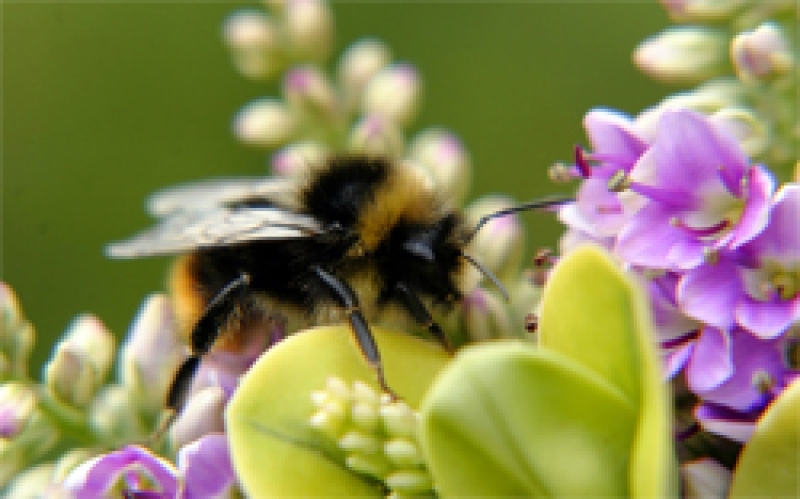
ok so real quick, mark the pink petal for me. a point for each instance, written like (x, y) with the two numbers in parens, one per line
(780, 240)
(206, 466)
(710, 365)
(726, 422)
(96, 477)
(769, 318)
(709, 293)
(611, 133)
(647, 238)
(756, 212)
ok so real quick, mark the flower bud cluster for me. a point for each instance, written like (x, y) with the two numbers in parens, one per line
(740, 52)
(377, 436)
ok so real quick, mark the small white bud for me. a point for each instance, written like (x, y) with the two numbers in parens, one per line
(31, 483)
(17, 403)
(761, 54)
(309, 91)
(365, 416)
(114, 416)
(69, 461)
(297, 157)
(255, 44)
(151, 353)
(364, 393)
(264, 122)
(409, 481)
(357, 441)
(399, 419)
(374, 465)
(70, 376)
(686, 54)
(202, 415)
(701, 10)
(359, 63)
(500, 244)
(402, 452)
(444, 156)
(89, 336)
(487, 317)
(337, 387)
(16, 335)
(308, 25)
(378, 136)
(394, 92)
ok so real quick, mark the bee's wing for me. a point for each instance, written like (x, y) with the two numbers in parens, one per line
(208, 194)
(219, 226)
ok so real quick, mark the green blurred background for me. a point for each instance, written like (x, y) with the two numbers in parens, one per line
(104, 102)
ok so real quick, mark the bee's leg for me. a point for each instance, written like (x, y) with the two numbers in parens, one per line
(204, 335)
(366, 342)
(421, 315)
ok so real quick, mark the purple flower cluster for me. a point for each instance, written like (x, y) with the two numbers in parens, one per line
(682, 206)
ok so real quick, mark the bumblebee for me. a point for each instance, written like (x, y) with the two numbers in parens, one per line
(351, 238)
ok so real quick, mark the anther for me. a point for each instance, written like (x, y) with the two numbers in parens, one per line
(619, 181)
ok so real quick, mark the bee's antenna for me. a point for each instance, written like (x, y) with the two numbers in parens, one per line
(488, 273)
(539, 204)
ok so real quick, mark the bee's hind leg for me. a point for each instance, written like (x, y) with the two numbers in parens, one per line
(366, 342)
(204, 335)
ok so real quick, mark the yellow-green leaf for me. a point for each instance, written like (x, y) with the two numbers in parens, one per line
(770, 462)
(275, 451)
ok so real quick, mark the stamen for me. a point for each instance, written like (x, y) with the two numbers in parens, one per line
(619, 181)
(561, 173)
(710, 255)
(581, 163)
(680, 340)
(701, 231)
(762, 381)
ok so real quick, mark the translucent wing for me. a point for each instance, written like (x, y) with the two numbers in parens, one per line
(208, 194)
(219, 226)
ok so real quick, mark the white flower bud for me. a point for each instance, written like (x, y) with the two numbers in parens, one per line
(33, 482)
(685, 54)
(409, 481)
(70, 377)
(444, 156)
(308, 90)
(378, 136)
(255, 44)
(114, 416)
(297, 157)
(374, 465)
(69, 461)
(399, 419)
(500, 244)
(394, 92)
(359, 63)
(486, 316)
(151, 354)
(202, 415)
(403, 452)
(701, 10)
(308, 25)
(761, 54)
(16, 336)
(88, 335)
(365, 416)
(358, 441)
(264, 122)
(17, 403)
(743, 124)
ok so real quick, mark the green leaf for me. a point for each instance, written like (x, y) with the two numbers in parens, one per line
(770, 462)
(509, 419)
(585, 414)
(275, 451)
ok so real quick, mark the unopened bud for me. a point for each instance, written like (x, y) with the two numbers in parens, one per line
(409, 481)
(17, 403)
(761, 54)
(394, 92)
(701, 10)
(375, 465)
(309, 91)
(500, 243)
(403, 452)
(297, 157)
(357, 441)
(486, 316)
(31, 483)
(69, 461)
(309, 29)
(152, 353)
(89, 336)
(444, 156)
(202, 415)
(686, 54)
(264, 122)
(376, 135)
(114, 416)
(16, 336)
(744, 125)
(70, 377)
(254, 41)
(399, 419)
(359, 63)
